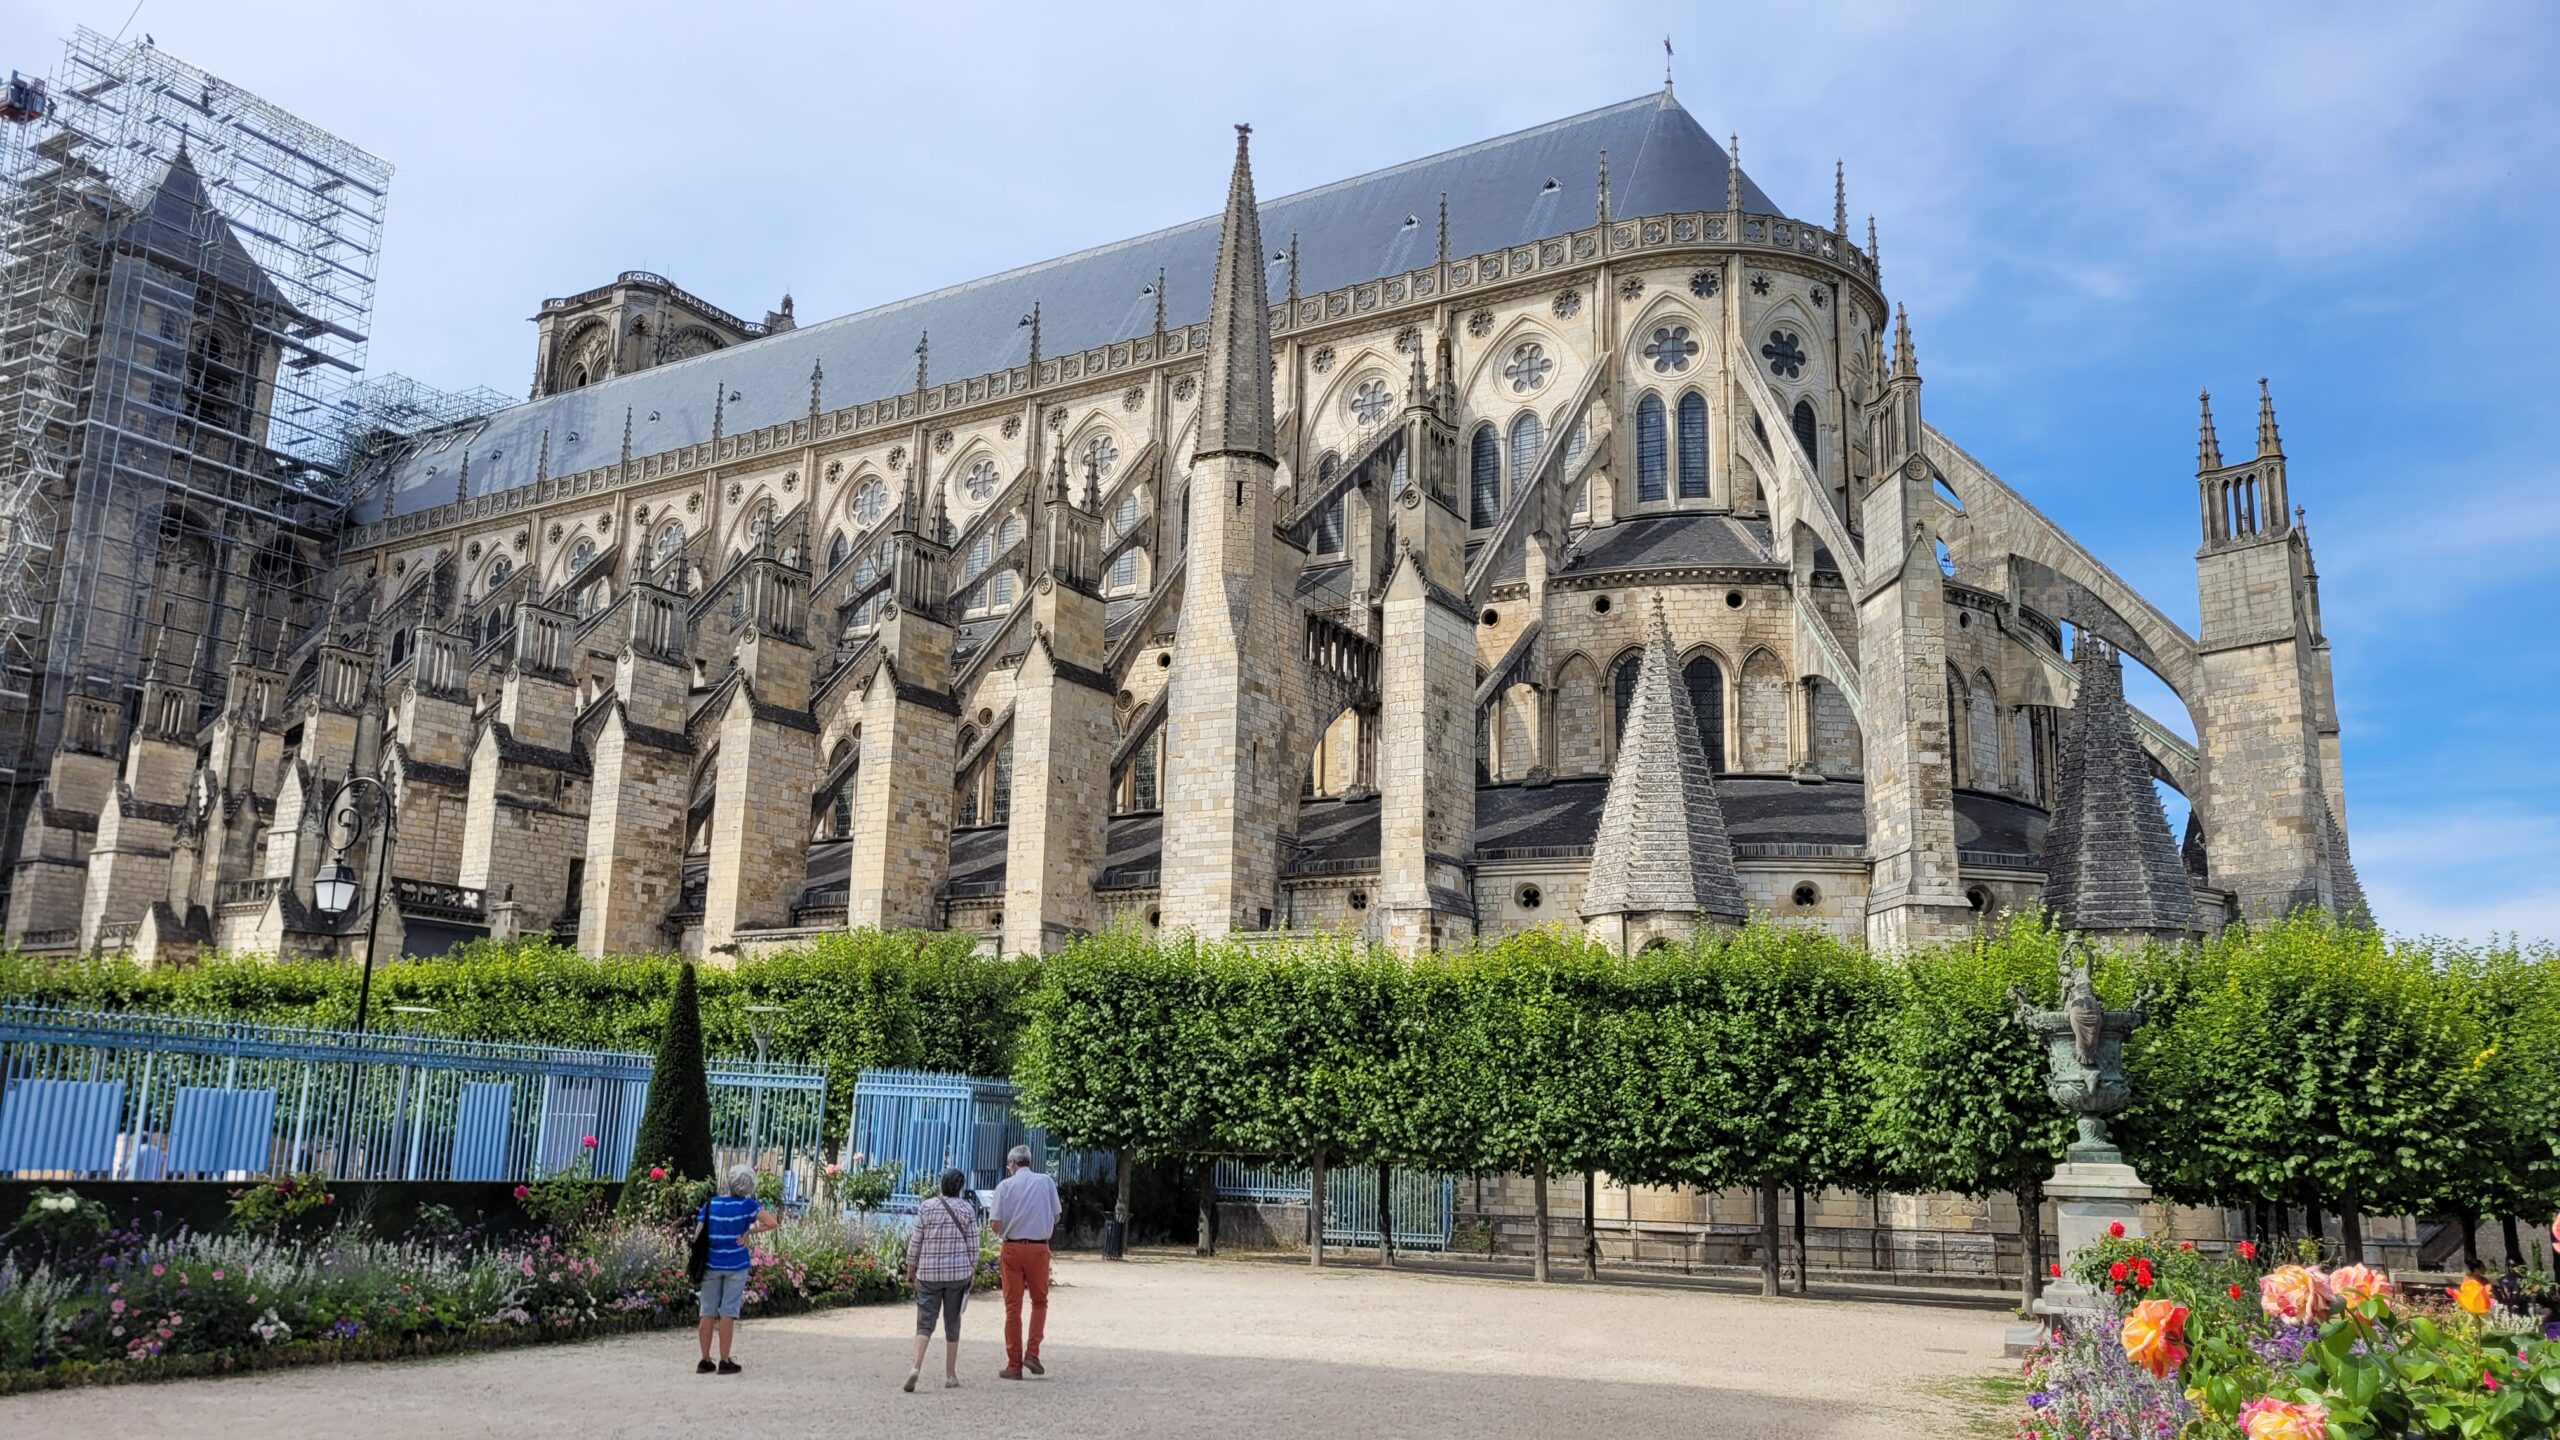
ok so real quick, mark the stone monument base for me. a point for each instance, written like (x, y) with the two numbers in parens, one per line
(2091, 1193)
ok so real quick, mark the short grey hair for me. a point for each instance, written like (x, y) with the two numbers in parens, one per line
(742, 1181)
(1019, 1155)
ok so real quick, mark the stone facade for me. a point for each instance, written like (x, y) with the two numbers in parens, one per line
(1320, 606)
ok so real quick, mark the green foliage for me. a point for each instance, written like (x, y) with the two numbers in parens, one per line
(569, 1200)
(675, 1124)
(1960, 1102)
(66, 1223)
(282, 1205)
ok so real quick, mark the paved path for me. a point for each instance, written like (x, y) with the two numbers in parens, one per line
(1162, 1346)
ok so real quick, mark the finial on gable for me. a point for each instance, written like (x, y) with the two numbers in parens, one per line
(1839, 197)
(1733, 175)
(2269, 443)
(2208, 447)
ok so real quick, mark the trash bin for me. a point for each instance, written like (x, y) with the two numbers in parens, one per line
(1115, 1239)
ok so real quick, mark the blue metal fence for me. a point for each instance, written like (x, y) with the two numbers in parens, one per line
(1424, 1204)
(87, 1095)
(925, 1123)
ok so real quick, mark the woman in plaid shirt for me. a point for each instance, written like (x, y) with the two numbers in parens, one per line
(942, 1257)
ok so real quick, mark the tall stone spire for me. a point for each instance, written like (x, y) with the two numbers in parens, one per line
(1906, 360)
(1875, 257)
(1235, 404)
(1733, 175)
(2208, 445)
(2269, 443)
(1662, 852)
(2110, 864)
(1840, 197)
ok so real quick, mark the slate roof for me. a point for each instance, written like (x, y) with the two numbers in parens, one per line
(1660, 160)
(1662, 846)
(2110, 863)
(180, 226)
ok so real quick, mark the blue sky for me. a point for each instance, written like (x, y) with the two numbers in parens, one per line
(2090, 211)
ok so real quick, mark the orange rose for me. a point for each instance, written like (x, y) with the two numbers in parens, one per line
(2471, 1295)
(2294, 1294)
(2355, 1284)
(2155, 1336)
(2270, 1419)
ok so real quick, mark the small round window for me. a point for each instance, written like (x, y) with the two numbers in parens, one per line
(1359, 899)
(1807, 895)
(1528, 897)
(1600, 606)
(1733, 599)
(1978, 898)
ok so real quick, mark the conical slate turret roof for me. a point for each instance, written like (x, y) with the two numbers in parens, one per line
(2346, 892)
(2109, 862)
(1662, 845)
(179, 224)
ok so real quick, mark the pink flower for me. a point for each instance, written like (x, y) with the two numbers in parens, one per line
(588, 1141)
(2268, 1418)
(159, 1270)
(115, 1307)
(657, 1172)
(2294, 1294)
(834, 1169)
(523, 1190)
(2356, 1284)
(217, 1274)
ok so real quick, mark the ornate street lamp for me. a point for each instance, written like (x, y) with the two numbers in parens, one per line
(333, 894)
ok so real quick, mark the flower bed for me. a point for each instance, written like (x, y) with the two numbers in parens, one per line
(115, 1304)
(2232, 1349)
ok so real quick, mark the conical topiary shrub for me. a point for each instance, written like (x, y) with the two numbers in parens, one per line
(675, 1126)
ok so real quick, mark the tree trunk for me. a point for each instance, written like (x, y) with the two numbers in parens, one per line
(2515, 1246)
(1206, 1242)
(1590, 1225)
(1769, 1241)
(1538, 1220)
(1386, 1216)
(2031, 1245)
(2351, 1233)
(2311, 1222)
(1315, 1214)
(2469, 1220)
(1804, 1262)
(1120, 1202)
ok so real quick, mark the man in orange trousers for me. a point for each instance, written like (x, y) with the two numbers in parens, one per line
(1026, 1214)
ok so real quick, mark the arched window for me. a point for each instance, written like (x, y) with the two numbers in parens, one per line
(1622, 693)
(1693, 446)
(1000, 786)
(1124, 515)
(1704, 680)
(1484, 478)
(870, 502)
(670, 541)
(1806, 431)
(1124, 569)
(1528, 434)
(1649, 447)
(839, 550)
(1000, 589)
(582, 554)
(1142, 773)
(499, 570)
(1008, 530)
(981, 551)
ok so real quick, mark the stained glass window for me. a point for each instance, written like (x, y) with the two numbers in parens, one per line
(1693, 446)
(1484, 478)
(981, 482)
(1370, 402)
(1784, 354)
(1103, 455)
(1528, 368)
(1000, 786)
(1124, 569)
(1671, 349)
(1806, 430)
(869, 503)
(1528, 433)
(1649, 449)
(1704, 680)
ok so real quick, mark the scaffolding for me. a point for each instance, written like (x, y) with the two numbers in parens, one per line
(186, 285)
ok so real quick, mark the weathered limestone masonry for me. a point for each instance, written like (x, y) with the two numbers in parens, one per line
(767, 764)
(430, 755)
(525, 821)
(1225, 778)
(908, 726)
(643, 764)
(1914, 893)
(2275, 844)
(1426, 685)
(1062, 735)
(1368, 559)
(129, 871)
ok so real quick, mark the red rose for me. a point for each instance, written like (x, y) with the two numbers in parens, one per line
(328, 1199)
(2054, 1269)
(2235, 1292)
(2116, 1271)
(2116, 1228)
(2247, 1250)
(657, 1172)
(522, 1191)
(2186, 1244)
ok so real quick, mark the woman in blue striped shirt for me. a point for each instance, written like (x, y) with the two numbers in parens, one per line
(732, 1217)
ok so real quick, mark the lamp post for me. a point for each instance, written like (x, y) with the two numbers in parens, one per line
(333, 894)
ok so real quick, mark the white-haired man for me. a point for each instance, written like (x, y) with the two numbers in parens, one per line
(1026, 1216)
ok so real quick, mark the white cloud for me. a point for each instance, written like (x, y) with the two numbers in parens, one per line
(2472, 873)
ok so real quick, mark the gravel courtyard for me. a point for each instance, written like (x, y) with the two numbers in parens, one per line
(1163, 1346)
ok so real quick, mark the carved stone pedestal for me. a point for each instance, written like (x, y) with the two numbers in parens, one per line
(2089, 1196)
